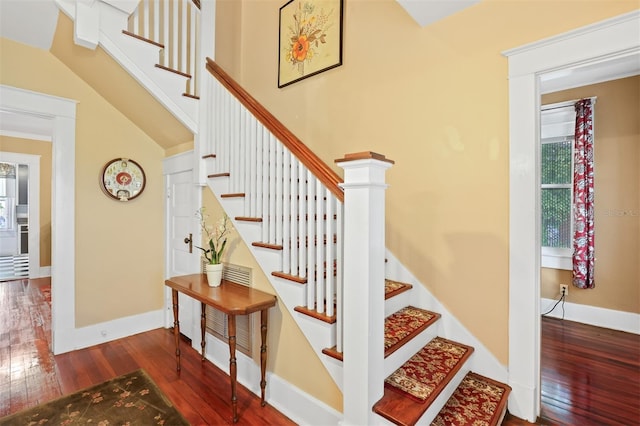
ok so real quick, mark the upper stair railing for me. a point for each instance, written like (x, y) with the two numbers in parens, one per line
(174, 25)
(285, 186)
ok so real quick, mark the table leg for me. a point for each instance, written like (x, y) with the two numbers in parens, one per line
(203, 326)
(233, 370)
(176, 326)
(264, 314)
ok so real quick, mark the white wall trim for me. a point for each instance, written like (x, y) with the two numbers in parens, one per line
(96, 334)
(63, 113)
(593, 315)
(593, 45)
(294, 403)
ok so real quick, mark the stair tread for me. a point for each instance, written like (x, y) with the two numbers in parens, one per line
(403, 325)
(393, 288)
(477, 400)
(426, 374)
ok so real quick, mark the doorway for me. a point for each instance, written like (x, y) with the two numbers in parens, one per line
(20, 253)
(58, 115)
(606, 46)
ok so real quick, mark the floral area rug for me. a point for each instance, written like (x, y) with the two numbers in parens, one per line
(405, 323)
(421, 376)
(478, 401)
(131, 399)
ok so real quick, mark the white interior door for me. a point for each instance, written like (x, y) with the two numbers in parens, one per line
(182, 200)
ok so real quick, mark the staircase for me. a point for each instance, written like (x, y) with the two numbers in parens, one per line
(306, 228)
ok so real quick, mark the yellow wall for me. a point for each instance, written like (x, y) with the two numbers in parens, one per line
(435, 100)
(617, 186)
(290, 355)
(119, 246)
(43, 149)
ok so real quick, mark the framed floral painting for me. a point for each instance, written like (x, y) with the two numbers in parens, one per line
(310, 39)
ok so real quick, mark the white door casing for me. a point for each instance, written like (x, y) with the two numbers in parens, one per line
(62, 112)
(182, 200)
(530, 67)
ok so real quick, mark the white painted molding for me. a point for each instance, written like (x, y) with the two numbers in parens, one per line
(593, 315)
(63, 113)
(96, 334)
(299, 406)
(530, 67)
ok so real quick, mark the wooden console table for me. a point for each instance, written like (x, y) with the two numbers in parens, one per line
(232, 299)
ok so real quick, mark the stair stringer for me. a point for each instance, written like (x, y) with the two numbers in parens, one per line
(318, 333)
(139, 59)
(482, 361)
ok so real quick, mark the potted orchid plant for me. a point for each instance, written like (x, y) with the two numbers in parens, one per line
(216, 237)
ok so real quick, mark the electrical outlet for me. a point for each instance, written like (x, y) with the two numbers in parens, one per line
(564, 289)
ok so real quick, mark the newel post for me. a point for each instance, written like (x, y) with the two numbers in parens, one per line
(363, 289)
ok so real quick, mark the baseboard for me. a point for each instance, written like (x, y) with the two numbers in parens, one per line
(78, 338)
(593, 315)
(297, 405)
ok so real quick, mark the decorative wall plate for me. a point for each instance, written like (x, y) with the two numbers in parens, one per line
(122, 179)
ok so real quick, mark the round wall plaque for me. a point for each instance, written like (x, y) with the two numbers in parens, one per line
(122, 179)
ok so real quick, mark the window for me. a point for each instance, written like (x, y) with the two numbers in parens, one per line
(556, 155)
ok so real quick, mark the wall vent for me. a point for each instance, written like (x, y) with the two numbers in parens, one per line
(217, 321)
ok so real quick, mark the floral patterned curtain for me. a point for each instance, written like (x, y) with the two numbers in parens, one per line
(583, 197)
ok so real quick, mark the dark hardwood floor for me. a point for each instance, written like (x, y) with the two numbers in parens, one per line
(30, 374)
(590, 375)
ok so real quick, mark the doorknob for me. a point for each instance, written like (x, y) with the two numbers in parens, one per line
(189, 240)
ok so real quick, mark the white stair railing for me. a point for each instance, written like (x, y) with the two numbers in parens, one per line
(173, 24)
(296, 196)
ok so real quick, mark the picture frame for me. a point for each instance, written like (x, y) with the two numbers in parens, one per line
(310, 39)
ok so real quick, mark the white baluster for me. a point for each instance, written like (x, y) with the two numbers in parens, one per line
(253, 165)
(182, 66)
(194, 47)
(265, 186)
(259, 173)
(166, 31)
(278, 193)
(173, 48)
(286, 209)
(330, 252)
(245, 158)
(197, 58)
(321, 234)
(272, 189)
(156, 20)
(312, 267)
(294, 222)
(234, 157)
(302, 221)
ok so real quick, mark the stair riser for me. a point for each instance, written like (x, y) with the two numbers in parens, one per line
(444, 396)
(398, 302)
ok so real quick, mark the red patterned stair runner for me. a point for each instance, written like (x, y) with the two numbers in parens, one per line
(401, 326)
(393, 288)
(478, 401)
(411, 389)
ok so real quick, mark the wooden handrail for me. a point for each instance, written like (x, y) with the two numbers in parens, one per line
(318, 167)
